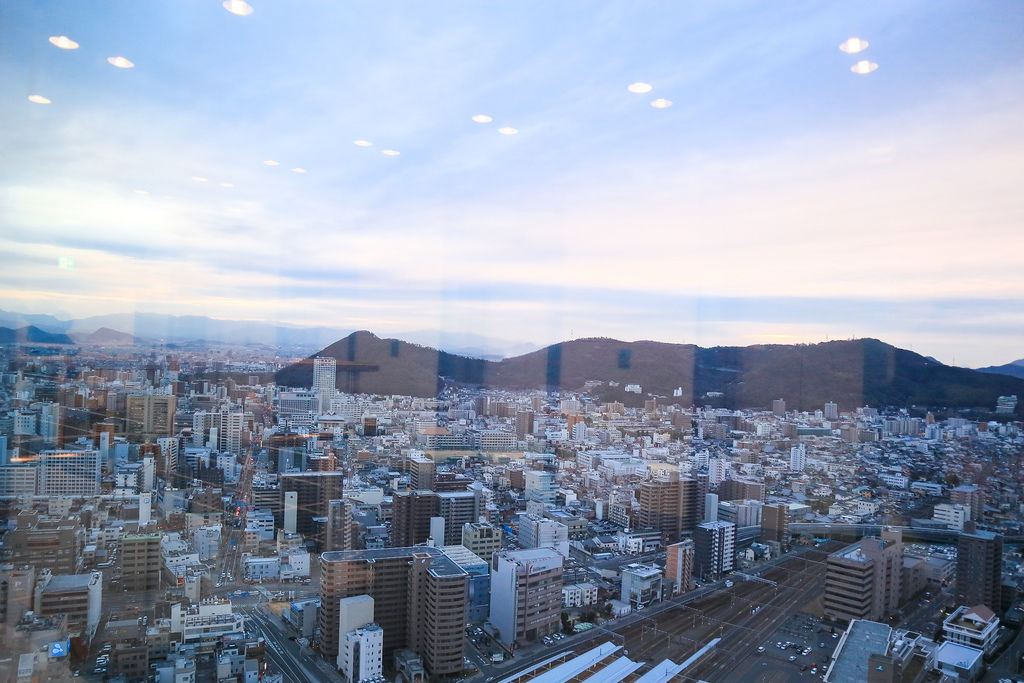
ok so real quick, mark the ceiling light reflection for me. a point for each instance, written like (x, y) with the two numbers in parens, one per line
(64, 43)
(38, 99)
(640, 88)
(199, 179)
(298, 169)
(863, 67)
(239, 7)
(363, 143)
(120, 62)
(853, 45)
(508, 130)
(271, 162)
(482, 118)
(390, 152)
(661, 103)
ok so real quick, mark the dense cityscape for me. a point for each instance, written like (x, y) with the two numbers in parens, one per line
(177, 516)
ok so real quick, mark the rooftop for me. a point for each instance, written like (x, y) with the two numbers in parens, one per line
(440, 564)
(861, 640)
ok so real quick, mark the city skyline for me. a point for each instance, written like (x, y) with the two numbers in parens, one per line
(770, 195)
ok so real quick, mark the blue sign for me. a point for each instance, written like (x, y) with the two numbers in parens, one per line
(59, 649)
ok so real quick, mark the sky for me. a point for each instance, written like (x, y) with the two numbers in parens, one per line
(699, 172)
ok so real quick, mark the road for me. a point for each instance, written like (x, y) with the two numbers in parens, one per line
(293, 661)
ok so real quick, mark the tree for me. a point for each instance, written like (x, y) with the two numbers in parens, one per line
(952, 479)
(566, 624)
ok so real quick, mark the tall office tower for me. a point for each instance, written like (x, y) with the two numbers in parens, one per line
(741, 489)
(831, 411)
(313, 493)
(68, 473)
(482, 539)
(458, 508)
(229, 433)
(325, 380)
(679, 566)
(541, 486)
(742, 513)
(203, 422)
(410, 517)
(140, 562)
(149, 416)
(526, 594)
(659, 506)
(421, 473)
(714, 546)
(798, 458)
(775, 524)
(971, 495)
(48, 544)
(524, 423)
(865, 580)
(419, 599)
(979, 569)
(339, 531)
(779, 407)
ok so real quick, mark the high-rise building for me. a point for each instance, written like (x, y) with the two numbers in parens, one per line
(526, 594)
(541, 486)
(659, 506)
(149, 416)
(524, 423)
(714, 546)
(953, 515)
(544, 533)
(140, 562)
(798, 458)
(482, 539)
(775, 524)
(679, 566)
(361, 642)
(779, 407)
(972, 496)
(979, 569)
(339, 532)
(865, 580)
(458, 508)
(410, 517)
(831, 412)
(325, 380)
(741, 489)
(68, 473)
(313, 492)
(421, 473)
(419, 599)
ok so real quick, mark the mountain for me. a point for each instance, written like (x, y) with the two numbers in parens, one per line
(1012, 369)
(106, 337)
(196, 330)
(852, 373)
(30, 334)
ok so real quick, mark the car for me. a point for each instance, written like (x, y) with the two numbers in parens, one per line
(803, 668)
(760, 649)
(835, 635)
(814, 671)
(792, 658)
(821, 644)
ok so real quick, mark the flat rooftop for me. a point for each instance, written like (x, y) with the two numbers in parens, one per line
(861, 640)
(440, 564)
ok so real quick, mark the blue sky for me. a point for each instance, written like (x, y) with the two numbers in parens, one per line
(780, 198)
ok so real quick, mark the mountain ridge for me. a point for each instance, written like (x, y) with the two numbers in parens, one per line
(850, 372)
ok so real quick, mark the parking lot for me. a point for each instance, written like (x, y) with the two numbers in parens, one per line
(802, 644)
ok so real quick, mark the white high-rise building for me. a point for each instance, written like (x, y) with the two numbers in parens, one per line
(361, 654)
(325, 377)
(68, 473)
(831, 411)
(798, 458)
(717, 471)
(541, 486)
(714, 549)
(544, 533)
(953, 515)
